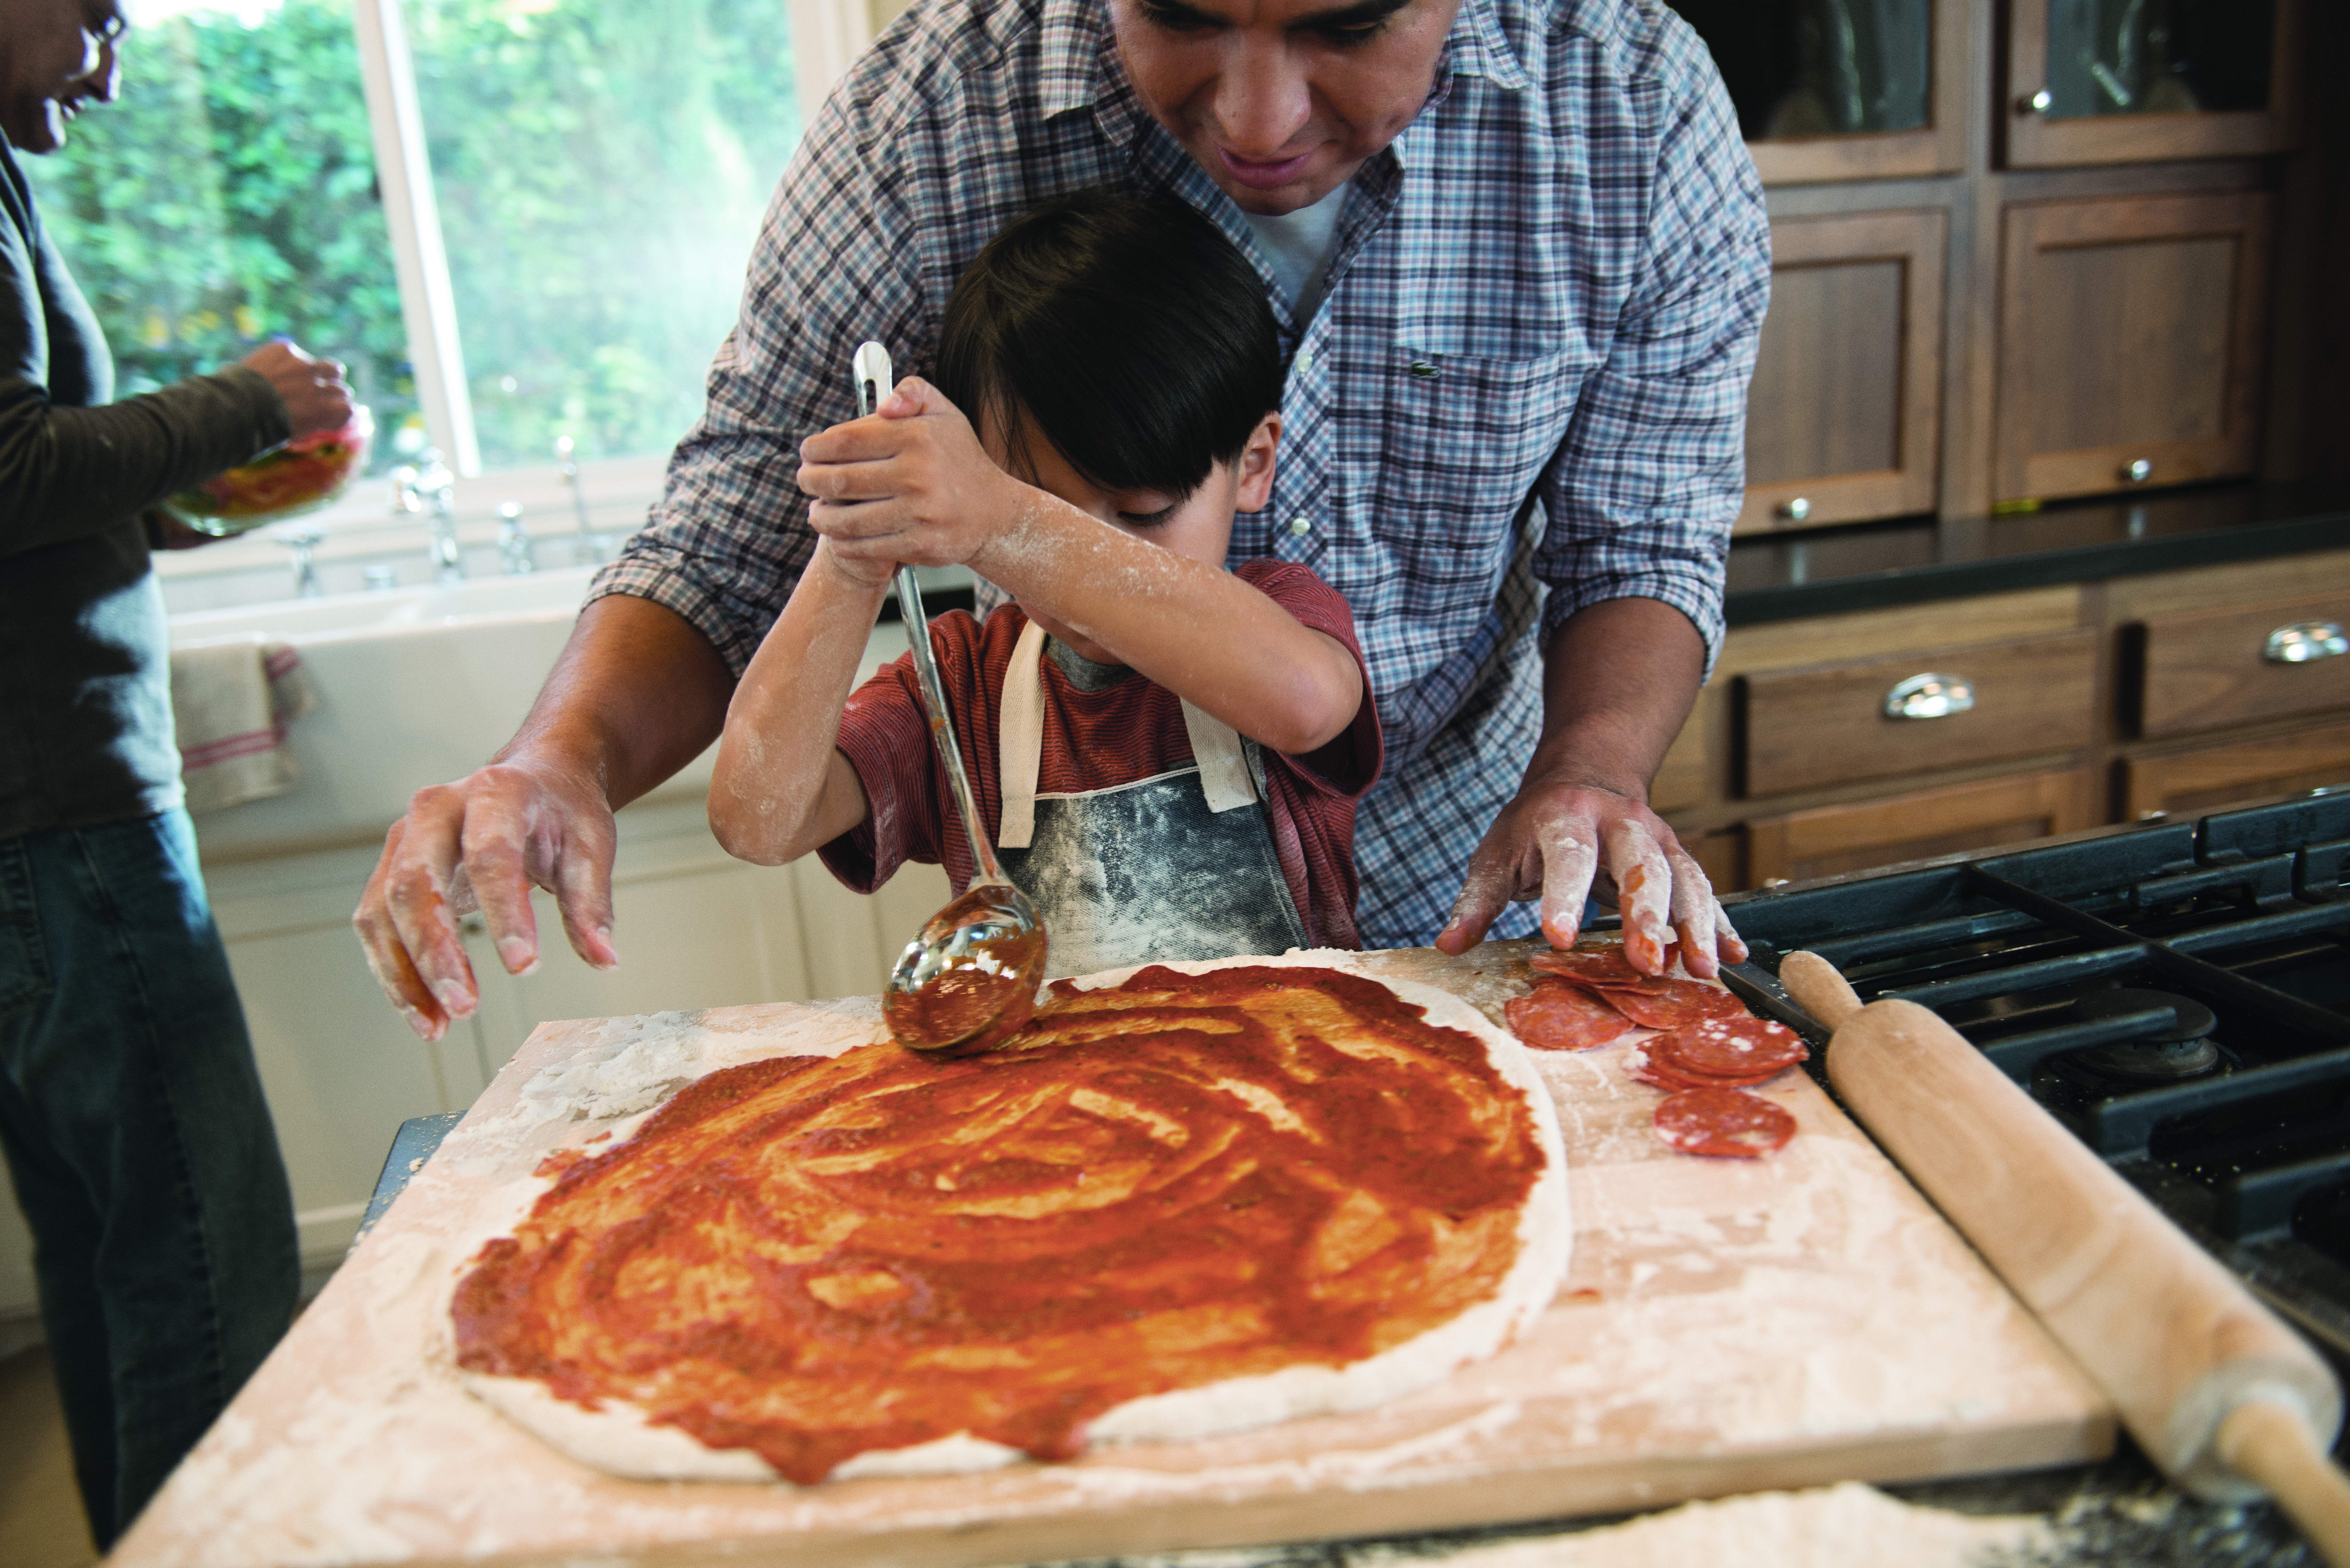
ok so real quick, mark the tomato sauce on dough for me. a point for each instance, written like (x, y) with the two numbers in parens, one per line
(1170, 1183)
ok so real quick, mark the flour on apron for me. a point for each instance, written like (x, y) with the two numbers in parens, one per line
(1175, 867)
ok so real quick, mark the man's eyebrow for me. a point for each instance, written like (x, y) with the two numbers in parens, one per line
(1363, 13)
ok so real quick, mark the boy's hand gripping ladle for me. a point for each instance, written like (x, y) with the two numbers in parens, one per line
(969, 981)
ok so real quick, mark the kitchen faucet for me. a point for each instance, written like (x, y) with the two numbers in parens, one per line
(589, 546)
(428, 485)
(517, 551)
(303, 542)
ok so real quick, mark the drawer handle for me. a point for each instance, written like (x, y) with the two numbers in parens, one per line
(1795, 511)
(2304, 640)
(1930, 697)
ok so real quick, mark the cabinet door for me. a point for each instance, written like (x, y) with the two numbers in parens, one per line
(1844, 418)
(2125, 82)
(2193, 782)
(2129, 347)
(1836, 839)
(1842, 90)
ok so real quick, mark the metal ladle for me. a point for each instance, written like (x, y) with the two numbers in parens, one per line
(969, 981)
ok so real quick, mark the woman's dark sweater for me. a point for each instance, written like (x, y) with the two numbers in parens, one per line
(85, 654)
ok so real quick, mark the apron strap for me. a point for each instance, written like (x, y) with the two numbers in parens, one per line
(1020, 739)
(1223, 767)
(1020, 747)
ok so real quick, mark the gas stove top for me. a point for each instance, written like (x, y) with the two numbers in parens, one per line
(2177, 993)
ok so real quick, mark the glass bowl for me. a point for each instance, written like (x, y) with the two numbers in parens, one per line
(300, 476)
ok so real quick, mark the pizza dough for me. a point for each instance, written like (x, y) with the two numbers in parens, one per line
(1200, 1198)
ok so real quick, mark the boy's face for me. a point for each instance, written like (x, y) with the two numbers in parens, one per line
(1198, 526)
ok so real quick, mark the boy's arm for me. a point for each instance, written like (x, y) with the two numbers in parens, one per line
(911, 482)
(781, 787)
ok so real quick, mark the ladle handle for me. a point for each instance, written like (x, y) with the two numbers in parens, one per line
(934, 705)
(870, 370)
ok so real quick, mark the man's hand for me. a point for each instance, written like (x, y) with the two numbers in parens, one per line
(1563, 842)
(636, 695)
(1617, 680)
(908, 482)
(485, 842)
(316, 396)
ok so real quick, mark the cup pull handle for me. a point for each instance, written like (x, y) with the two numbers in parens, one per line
(2305, 640)
(1930, 696)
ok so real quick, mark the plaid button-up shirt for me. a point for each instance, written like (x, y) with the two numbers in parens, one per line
(1523, 392)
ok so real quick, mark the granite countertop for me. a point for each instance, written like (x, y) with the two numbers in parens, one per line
(1915, 560)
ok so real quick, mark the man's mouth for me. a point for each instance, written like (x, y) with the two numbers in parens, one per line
(1263, 174)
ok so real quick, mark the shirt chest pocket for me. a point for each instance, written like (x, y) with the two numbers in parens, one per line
(1459, 441)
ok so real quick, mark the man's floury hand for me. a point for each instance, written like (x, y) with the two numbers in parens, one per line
(485, 842)
(1562, 842)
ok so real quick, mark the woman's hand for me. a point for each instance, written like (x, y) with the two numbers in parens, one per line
(316, 396)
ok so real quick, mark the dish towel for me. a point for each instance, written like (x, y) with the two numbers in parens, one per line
(231, 701)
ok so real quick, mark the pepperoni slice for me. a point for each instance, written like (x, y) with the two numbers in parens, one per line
(1725, 1122)
(1723, 1048)
(1671, 1003)
(1559, 1017)
(1586, 965)
(1643, 1064)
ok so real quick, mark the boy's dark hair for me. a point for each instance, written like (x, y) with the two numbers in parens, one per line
(1130, 326)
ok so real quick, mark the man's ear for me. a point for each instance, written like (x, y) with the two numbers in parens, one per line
(1255, 466)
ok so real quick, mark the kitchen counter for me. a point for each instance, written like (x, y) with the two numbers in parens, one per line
(1873, 565)
(2119, 1511)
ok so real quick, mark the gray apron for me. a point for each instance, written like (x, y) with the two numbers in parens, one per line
(1179, 865)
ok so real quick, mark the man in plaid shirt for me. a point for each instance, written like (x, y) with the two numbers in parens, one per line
(1519, 258)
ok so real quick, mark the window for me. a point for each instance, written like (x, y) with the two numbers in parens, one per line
(537, 229)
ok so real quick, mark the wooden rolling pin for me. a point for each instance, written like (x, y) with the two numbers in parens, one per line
(2227, 1401)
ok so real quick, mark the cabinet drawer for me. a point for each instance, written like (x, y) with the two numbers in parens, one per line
(2203, 669)
(1834, 840)
(2191, 783)
(1830, 724)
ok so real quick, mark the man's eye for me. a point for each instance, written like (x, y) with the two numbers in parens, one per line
(1174, 19)
(1353, 37)
(1147, 519)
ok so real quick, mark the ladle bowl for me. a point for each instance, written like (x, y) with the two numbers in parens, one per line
(969, 981)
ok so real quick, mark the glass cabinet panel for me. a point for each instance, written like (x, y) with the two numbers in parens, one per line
(1820, 67)
(1841, 89)
(2136, 81)
(2158, 57)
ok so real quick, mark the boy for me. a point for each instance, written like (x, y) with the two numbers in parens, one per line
(1170, 754)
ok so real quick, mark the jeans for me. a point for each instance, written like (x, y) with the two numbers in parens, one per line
(140, 1147)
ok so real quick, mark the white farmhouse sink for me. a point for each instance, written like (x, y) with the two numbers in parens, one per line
(415, 687)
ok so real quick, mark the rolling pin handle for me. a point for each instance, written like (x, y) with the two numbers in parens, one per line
(1814, 983)
(2268, 1442)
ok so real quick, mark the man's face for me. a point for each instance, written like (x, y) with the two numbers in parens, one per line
(54, 56)
(1282, 100)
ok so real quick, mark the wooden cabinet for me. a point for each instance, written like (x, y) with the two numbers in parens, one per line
(2090, 83)
(1826, 90)
(2130, 339)
(1940, 708)
(2189, 782)
(1829, 841)
(1844, 416)
(2197, 669)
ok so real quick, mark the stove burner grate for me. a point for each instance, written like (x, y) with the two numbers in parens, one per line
(2178, 994)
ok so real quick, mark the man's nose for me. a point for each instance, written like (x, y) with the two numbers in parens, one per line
(1263, 98)
(106, 80)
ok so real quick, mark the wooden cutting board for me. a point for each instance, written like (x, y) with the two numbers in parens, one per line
(1726, 1325)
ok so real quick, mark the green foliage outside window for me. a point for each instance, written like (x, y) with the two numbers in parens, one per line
(599, 166)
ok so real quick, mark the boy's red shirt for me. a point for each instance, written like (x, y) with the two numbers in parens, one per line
(1128, 731)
